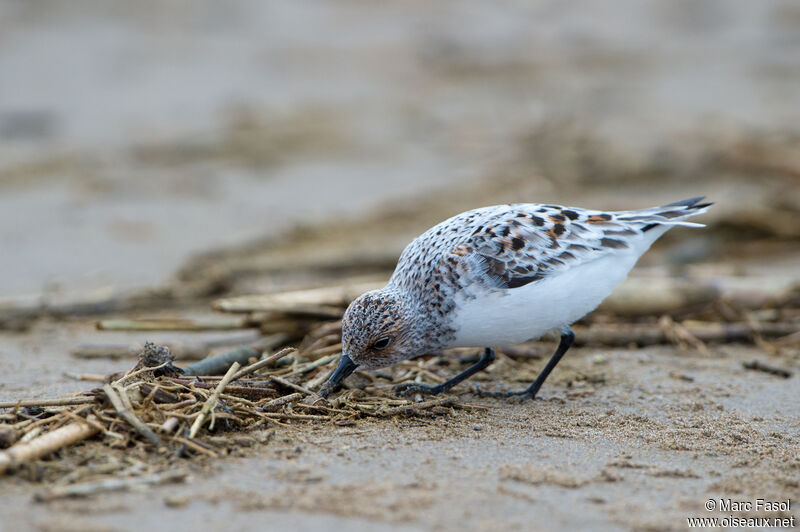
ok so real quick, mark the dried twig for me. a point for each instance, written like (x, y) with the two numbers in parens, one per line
(263, 363)
(211, 402)
(314, 365)
(250, 391)
(46, 444)
(114, 395)
(678, 334)
(280, 401)
(321, 378)
(141, 371)
(772, 370)
(302, 417)
(42, 403)
(195, 446)
(293, 386)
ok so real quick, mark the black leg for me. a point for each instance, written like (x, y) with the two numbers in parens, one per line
(409, 387)
(567, 337)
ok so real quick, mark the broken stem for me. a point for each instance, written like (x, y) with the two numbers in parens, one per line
(113, 394)
(263, 363)
(47, 443)
(211, 402)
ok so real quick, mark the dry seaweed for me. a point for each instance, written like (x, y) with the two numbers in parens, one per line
(159, 409)
(165, 411)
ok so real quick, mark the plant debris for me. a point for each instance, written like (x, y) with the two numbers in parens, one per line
(159, 414)
(766, 368)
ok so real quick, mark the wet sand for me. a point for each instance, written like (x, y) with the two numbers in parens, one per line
(639, 440)
(110, 179)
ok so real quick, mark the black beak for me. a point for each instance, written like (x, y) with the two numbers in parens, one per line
(343, 370)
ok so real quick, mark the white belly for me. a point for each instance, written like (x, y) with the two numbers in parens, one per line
(519, 314)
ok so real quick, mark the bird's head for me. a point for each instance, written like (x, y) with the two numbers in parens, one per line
(379, 328)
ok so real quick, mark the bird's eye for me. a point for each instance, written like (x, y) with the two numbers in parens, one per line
(382, 343)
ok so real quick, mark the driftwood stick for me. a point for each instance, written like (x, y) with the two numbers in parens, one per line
(256, 304)
(298, 301)
(219, 364)
(270, 342)
(215, 323)
(272, 323)
(211, 402)
(46, 444)
(119, 405)
(105, 351)
(638, 296)
(34, 403)
(262, 363)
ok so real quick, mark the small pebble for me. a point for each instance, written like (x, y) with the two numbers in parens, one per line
(477, 427)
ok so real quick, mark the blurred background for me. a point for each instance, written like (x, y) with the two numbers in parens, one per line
(134, 136)
(156, 156)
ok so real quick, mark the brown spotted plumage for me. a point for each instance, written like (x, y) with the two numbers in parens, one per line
(501, 274)
(508, 246)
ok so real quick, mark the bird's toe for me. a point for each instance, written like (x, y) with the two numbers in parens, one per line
(409, 388)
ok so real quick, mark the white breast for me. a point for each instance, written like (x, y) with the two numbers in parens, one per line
(510, 316)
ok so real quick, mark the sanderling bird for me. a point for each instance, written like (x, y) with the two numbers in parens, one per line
(495, 276)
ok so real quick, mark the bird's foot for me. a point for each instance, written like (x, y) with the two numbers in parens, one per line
(409, 388)
(513, 395)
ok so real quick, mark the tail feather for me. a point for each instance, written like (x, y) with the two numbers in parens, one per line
(671, 214)
(692, 202)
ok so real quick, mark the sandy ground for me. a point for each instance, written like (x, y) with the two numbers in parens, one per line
(311, 142)
(619, 439)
